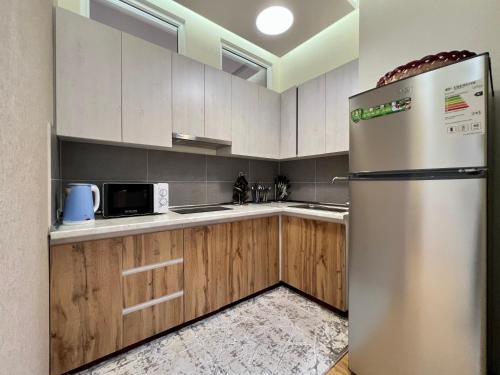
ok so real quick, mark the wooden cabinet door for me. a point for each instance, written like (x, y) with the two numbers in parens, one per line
(298, 243)
(88, 78)
(288, 132)
(311, 117)
(217, 104)
(264, 263)
(206, 265)
(153, 283)
(224, 263)
(314, 259)
(188, 93)
(85, 302)
(254, 256)
(341, 83)
(244, 107)
(240, 270)
(329, 264)
(265, 132)
(146, 93)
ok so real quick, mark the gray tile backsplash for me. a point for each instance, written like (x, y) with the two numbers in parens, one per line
(88, 161)
(303, 191)
(299, 170)
(310, 179)
(225, 169)
(183, 193)
(194, 178)
(175, 166)
(263, 171)
(329, 167)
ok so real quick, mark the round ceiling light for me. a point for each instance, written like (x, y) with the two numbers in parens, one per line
(274, 20)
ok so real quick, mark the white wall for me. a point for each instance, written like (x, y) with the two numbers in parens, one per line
(26, 94)
(394, 32)
(332, 47)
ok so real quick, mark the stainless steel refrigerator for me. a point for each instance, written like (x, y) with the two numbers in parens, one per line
(417, 257)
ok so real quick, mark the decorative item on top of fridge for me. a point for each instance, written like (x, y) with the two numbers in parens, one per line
(281, 188)
(425, 64)
(240, 189)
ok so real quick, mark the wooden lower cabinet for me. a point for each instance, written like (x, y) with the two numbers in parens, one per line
(226, 262)
(85, 302)
(314, 259)
(108, 294)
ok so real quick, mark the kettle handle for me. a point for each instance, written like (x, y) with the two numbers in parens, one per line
(97, 196)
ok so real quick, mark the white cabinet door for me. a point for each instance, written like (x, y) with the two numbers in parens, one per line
(288, 133)
(88, 78)
(217, 104)
(341, 83)
(146, 93)
(311, 114)
(244, 107)
(188, 96)
(265, 132)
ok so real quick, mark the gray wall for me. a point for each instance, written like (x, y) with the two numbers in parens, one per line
(194, 178)
(311, 179)
(26, 103)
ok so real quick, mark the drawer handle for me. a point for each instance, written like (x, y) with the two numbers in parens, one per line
(150, 267)
(145, 305)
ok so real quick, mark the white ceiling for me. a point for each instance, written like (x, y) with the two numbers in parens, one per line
(238, 16)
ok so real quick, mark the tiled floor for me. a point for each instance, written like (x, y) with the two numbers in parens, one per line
(278, 332)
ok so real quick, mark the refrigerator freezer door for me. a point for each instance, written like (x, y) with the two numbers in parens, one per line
(434, 120)
(417, 277)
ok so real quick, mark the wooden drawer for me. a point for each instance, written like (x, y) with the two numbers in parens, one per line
(153, 283)
(144, 286)
(141, 324)
(152, 248)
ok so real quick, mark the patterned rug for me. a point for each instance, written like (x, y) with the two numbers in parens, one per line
(278, 332)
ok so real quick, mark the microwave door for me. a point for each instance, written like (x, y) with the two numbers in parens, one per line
(127, 199)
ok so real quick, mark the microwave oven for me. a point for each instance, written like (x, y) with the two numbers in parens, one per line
(132, 199)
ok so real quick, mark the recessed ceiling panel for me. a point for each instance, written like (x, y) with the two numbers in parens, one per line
(238, 16)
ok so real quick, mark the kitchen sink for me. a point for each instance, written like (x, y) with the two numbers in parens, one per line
(321, 207)
(198, 209)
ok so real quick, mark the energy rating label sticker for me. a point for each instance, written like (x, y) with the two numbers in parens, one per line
(464, 108)
(380, 110)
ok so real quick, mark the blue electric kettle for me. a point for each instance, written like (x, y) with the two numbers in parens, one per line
(79, 207)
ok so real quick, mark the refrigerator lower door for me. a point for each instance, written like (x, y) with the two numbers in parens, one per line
(417, 277)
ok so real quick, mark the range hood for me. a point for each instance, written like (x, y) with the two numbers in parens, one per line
(192, 140)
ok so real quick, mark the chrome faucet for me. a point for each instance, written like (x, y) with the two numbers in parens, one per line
(340, 179)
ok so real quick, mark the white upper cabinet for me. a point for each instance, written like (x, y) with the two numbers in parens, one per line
(188, 92)
(265, 132)
(311, 117)
(217, 104)
(146, 93)
(88, 78)
(244, 107)
(288, 133)
(341, 83)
